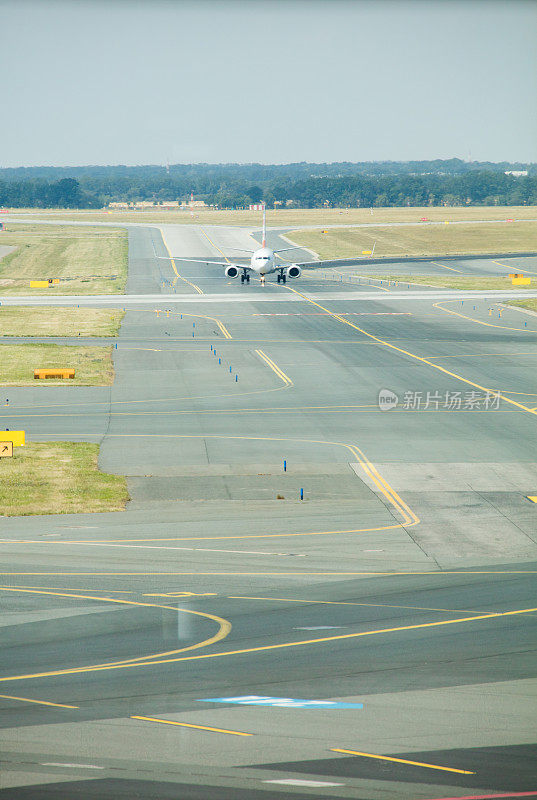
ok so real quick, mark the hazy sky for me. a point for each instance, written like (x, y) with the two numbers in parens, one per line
(119, 81)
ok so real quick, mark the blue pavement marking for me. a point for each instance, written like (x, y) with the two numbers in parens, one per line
(279, 702)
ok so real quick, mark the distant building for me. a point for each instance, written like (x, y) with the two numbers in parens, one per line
(193, 204)
(256, 206)
(517, 173)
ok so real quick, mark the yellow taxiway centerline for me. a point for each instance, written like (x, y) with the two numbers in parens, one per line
(275, 368)
(478, 321)
(401, 761)
(189, 725)
(224, 625)
(384, 343)
(37, 702)
(265, 648)
(172, 262)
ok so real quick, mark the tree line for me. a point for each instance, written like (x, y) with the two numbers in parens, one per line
(428, 183)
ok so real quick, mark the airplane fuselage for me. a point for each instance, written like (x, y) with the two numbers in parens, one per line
(262, 261)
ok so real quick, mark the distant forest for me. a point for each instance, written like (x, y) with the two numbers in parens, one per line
(384, 183)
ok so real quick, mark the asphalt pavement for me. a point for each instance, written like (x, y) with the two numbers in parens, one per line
(307, 595)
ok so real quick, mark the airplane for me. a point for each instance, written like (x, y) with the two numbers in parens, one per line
(262, 262)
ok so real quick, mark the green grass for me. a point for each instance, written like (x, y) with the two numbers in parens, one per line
(93, 365)
(427, 240)
(58, 478)
(87, 260)
(529, 304)
(450, 282)
(51, 321)
(294, 217)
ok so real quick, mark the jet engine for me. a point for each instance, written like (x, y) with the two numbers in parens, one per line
(293, 271)
(231, 271)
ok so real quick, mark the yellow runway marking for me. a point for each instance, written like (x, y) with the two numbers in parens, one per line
(478, 321)
(129, 542)
(215, 246)
(224, 625)
(384, 343)
(275, 368)
(38, 702)
(197, 727)
(401, 761)
(172, 262)
(510, 266)
(220, 324)
(445, 267)
(263, 648)
(409, 517)
(366, 605)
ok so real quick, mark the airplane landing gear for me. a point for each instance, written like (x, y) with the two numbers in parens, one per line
(245, 277)
(282, 277)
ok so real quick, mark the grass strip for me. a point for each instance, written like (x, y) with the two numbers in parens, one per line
(93, 365)
(530, 304)
(449, 282)
(414, 240)
(86, 260)
(58, 478)
(52, 321)
(287, 217)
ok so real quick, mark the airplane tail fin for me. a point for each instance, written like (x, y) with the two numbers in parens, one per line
(264, 244)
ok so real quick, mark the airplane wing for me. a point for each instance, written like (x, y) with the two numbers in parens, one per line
(205, 261)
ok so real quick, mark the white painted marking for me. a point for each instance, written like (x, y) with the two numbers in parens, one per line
(73, 766)
(296, 782)
(160, 547)
(255, 297)
(320, 628)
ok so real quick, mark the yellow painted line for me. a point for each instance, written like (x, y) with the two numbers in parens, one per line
(127, 542)
(265, 648)
(38, 702)
(220, 324)
(446, 267)
(384, 343)
(224, 330)
(215, 246)
(478, 321)
(197, 727)
(510, 266)
(172, 262)
(223, 631)
(275, 368)
(409, 517)
(402, 761)
(532, 497)
(349, 603)
(70, 589)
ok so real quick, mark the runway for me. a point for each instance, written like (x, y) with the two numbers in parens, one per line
(224, 638)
